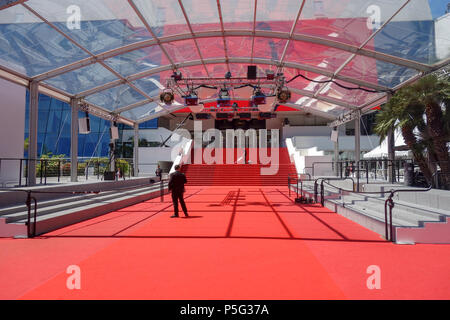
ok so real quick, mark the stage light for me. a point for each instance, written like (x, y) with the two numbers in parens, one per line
(228, 75)
(191, 99)
(177, 76)
(283, 95)
(167, 96)
(258, 97)
(224, 96)
(270, 75)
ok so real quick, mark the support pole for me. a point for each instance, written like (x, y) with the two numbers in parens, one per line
(136, 150)
(391, 153)
(74, 141)
(32, 138)
(112, 150)
(391, 156)
(357, 146)
(336, 152)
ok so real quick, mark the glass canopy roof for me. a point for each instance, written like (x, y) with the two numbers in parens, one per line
(116, 55)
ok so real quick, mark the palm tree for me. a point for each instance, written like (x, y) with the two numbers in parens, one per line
(424, 106)
(433, 93)
(397, 115)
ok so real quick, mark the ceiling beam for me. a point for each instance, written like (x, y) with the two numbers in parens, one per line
(298, 66)
(238, 33)
(311, 110)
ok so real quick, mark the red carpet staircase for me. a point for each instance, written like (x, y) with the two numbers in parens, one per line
(239, 174)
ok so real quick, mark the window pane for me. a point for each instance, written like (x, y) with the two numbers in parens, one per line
(30, 46)
(82, 79)
(202, 14)
(116, 97)
(103, 24)
(164, 16)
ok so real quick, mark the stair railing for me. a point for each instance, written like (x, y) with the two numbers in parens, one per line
(31, 218)
(389, 203)
(316, 183)
(295, 178)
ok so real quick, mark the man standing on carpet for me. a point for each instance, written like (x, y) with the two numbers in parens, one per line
(176, 185)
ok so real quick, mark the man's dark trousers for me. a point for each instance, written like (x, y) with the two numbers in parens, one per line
(177, 196)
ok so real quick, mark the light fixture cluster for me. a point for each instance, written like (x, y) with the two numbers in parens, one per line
(271, 85)
(167, 96)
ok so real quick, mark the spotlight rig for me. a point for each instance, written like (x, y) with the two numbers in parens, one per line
(167, 96)
(224, 90)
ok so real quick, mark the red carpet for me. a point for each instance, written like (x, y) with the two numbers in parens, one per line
(239, 243)
(233, 172)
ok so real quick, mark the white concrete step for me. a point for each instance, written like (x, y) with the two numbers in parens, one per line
(58, 205)
(413, 223)
(100, 201)
(408, 211)
(57, 214)
(49, 203)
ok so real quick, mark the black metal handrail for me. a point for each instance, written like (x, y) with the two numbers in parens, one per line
(31, 226)
(322, 189)
(391, 165)
(58, 167)
(297, 177)
(328, 178)
(298, 181)
(389, 227)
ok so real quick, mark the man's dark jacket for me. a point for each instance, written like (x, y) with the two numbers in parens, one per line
(177, 181)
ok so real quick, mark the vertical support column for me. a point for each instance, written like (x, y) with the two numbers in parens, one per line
(136, 150)
(74, 141)
(357, 146)
(357, 136)
(391, 155)
(112, 150)
(32, 139)
(336, 150)
(391, 152)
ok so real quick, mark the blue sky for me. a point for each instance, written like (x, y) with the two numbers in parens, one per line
(438, 7)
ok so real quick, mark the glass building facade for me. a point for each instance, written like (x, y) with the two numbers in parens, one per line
(54, 119)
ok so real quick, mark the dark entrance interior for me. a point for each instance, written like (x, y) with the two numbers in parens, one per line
(240, 124)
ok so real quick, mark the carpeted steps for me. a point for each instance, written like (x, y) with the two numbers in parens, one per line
(240, 174)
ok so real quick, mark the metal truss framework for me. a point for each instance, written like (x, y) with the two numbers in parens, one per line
(227, 60)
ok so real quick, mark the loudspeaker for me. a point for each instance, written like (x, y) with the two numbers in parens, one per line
(84, 126)
(223, 115)
(114, 133)
(245, 115)
(334, 135)
(251, 72)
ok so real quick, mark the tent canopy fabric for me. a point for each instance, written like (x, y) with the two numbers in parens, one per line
(116, 55)
(381, 151)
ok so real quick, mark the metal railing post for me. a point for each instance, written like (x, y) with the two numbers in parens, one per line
(20, 172)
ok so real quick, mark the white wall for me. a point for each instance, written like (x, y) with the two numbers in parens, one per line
(12, 128)
(320, 169)
(149, 156)
(442, 26)
(293, 131)
(346, 143)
